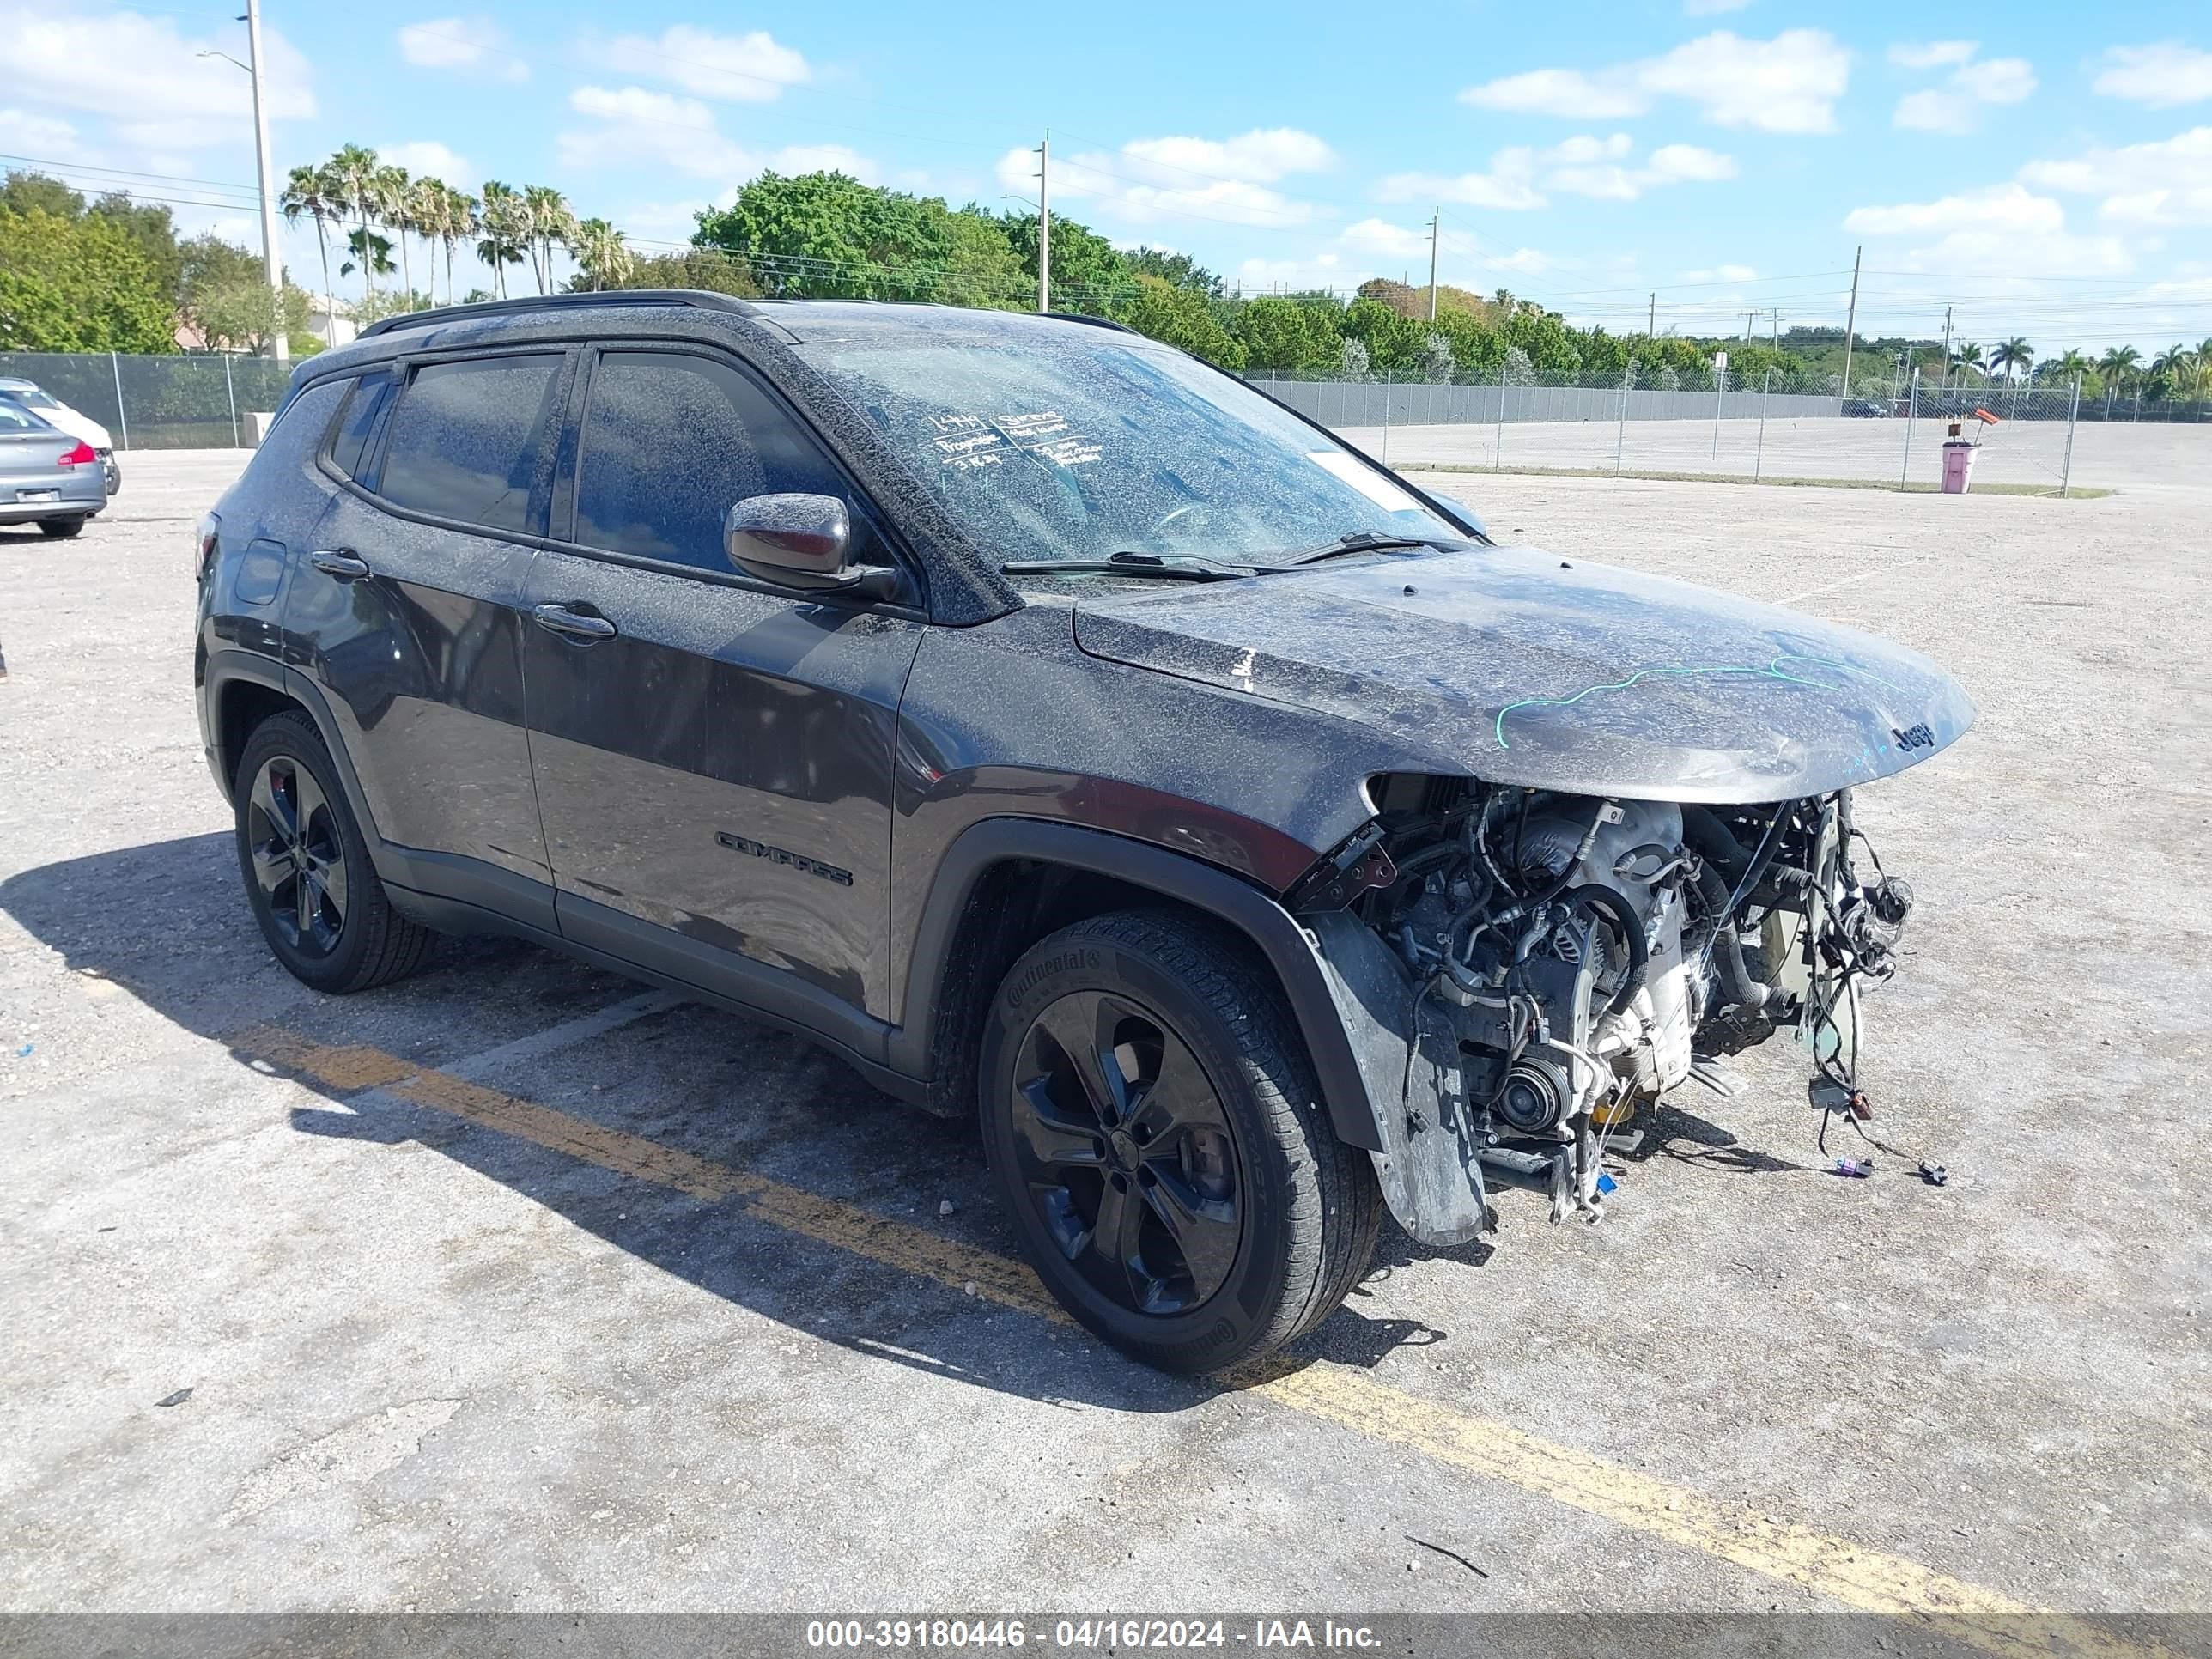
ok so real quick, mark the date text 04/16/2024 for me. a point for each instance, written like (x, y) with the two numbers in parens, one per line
(1095, 1633)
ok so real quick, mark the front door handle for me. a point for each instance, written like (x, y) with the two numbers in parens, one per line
(335, 561)
(567, 620)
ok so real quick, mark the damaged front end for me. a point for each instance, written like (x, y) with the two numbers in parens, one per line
(1521, 971)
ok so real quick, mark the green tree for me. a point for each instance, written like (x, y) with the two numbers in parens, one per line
(504, 221)
(695, 267)
(1287, 337)
(1180, 317)
(78, 285)
(1089, 273)
(356, 180)
(1179, 269)
(241, 311)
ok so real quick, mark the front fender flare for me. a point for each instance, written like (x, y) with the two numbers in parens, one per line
(1288, 949)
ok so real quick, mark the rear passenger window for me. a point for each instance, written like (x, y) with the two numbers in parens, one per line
(465, 442)
(361, 409)
(671, 442)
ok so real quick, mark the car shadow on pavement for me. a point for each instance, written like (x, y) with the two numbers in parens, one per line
(166, 922)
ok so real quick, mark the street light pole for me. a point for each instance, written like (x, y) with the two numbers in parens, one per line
(271, 264)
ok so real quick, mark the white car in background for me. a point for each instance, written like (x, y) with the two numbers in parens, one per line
(56, 413)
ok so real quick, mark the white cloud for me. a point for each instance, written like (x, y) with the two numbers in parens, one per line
(1955, 105)
(22, 133)
(635, 123)
(146, 76)
(426, 158)
(2005, 227)
(744, 68)
(1381, 236)
(1932, 54)
(1585, 165)
(1788, 84)
(2155, 184)
(654, 128)
(461, 43)
(2160, 75)
(1227, 180)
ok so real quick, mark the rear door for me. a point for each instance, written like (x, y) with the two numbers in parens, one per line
(407, 612)
(712, 756)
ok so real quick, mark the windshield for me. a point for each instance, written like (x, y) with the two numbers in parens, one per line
(1081, 447)
(30, 395)
(14, 417)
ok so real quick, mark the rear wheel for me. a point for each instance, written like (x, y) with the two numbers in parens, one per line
(1155, 1128)
(307, 873)
(61, 529)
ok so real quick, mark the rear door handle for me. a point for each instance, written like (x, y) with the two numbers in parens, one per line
(346, 567)
(567, 620)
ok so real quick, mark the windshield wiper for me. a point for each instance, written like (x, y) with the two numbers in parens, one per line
(1149, 567)
(1364, 541)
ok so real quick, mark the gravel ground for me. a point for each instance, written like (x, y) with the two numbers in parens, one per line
(435, 1364)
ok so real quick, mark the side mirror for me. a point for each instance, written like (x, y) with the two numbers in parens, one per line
(791, 540)
(1466, 513)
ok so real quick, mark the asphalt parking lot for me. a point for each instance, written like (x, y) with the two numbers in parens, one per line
(516, 1286)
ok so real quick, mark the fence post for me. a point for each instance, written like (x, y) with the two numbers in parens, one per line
(1758, 456)
(122, 420)
(1620, 431)
(1387, 374)
(1911, 414)
(1498, 455)
(1720, 384)
(230, 390)
(2066, 470)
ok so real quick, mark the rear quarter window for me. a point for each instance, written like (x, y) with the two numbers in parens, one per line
(466, 440)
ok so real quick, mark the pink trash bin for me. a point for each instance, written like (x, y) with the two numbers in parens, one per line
(1957, 466)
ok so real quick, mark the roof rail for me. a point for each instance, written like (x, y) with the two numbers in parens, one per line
(701, 298)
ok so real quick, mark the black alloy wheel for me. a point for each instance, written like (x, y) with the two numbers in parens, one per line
(299, 856)
(1158, 1140)
(308, 875)
(1125, 1150)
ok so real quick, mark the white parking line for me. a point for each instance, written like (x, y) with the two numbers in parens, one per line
(1863, 575)
(554, 1038)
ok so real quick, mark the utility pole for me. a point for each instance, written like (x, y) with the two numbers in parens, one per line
(1435, 220)
(1044, 224)
(273, 266)
(1774, 339)
(1750, 318)
(1651, 328)
(1946, 345)
(1851, 321)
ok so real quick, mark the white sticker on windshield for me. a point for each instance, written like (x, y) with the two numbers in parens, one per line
(1365, 479)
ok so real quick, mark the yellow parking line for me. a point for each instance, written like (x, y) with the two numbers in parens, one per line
(1866, 1580)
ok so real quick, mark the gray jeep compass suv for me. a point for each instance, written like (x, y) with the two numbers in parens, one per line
(1059, 730)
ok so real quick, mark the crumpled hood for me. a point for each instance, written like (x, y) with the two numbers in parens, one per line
(1521, 668)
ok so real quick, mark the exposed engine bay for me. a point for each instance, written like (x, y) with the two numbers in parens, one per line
(1566, 960)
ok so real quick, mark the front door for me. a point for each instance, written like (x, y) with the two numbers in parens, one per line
(713, 757)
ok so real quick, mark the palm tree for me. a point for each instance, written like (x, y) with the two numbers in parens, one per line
(2116, 365)
(2175, 365)
(308, 193)
(354, 172)
(2013, 354)
(550, 220)
(395, 203)
(2071, 365)
(1971, 357)
(603, 259)
(505, 221)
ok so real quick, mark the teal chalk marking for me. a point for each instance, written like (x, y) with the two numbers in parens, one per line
(1773, 671)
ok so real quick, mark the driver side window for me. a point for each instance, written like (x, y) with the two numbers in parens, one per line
(669, 441)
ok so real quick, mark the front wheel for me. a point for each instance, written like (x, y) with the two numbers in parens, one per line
(1155, 1130)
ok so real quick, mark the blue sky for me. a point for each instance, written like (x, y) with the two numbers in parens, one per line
(2044, 168)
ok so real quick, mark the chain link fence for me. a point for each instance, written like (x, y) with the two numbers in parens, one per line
(201, 400)
(2024, 437)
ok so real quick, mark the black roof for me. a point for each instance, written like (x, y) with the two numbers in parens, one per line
(788, 315)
